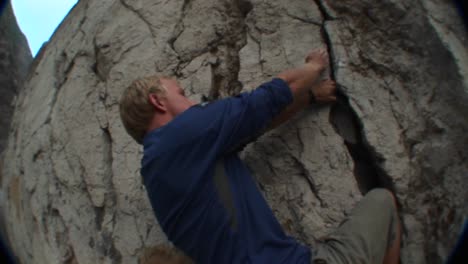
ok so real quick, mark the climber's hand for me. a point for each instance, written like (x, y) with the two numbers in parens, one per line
(324, 91)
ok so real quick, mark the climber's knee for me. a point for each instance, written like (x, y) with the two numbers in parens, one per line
(383, 197)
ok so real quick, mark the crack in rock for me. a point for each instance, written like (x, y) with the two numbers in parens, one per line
(347, 124)
(225, 72)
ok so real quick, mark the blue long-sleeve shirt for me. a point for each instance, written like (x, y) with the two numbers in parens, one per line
(201, 192)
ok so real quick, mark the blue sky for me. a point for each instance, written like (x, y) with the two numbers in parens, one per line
(39, 18)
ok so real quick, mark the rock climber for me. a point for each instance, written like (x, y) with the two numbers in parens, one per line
(204, 196)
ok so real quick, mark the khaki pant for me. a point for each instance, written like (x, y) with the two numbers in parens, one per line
(364, 236)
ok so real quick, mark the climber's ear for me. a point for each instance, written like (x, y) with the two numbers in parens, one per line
(158, 102)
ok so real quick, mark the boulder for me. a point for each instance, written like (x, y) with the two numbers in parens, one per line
(15, 59)
(71, 173)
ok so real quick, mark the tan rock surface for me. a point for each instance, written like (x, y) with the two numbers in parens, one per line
(15, 59)
(72, 174)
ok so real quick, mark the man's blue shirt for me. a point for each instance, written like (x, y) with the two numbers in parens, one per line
(201, 192)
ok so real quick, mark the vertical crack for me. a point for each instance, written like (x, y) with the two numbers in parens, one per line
(328, 42)
(225, 72)
(98, 67)
(106, 244)
(110, 196)
(99, 217)
(324, 10)
(107, 247)
(367, 171)
(178, 30)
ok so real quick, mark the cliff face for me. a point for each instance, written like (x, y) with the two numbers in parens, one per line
(15, 58)
(72, 174)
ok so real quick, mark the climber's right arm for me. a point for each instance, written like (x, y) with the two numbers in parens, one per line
(301, 81)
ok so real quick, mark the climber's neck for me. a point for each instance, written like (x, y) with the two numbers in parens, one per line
(159, 120)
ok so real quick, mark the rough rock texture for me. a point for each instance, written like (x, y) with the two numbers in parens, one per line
(72, 174)
(15, 58)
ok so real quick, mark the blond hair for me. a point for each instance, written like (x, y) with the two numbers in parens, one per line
(136, 110)
(164, 254)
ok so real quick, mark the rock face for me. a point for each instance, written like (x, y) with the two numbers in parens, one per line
(15, 58)
(72, 174)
